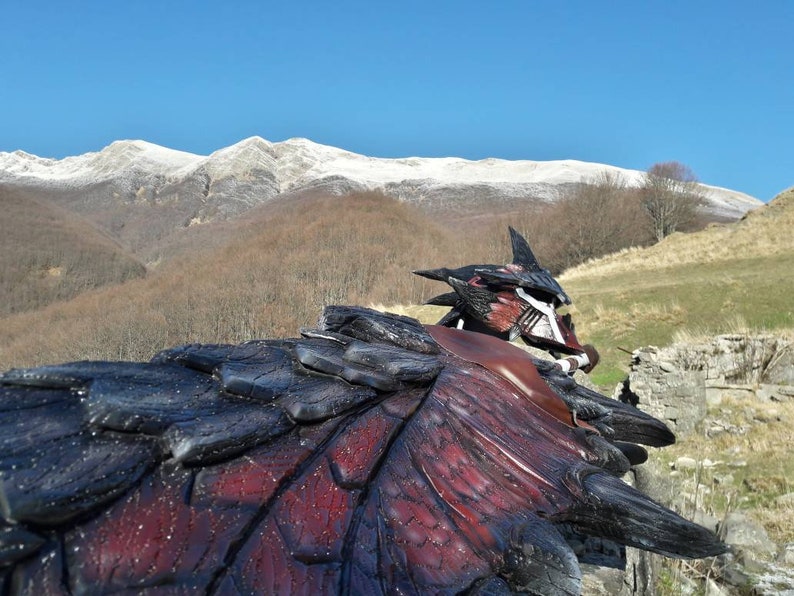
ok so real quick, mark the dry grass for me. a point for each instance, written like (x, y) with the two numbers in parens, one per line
(423, 312)
(765, 232)
(735, 278)
(735, 325)
(628, 300)
(620, 322)
(747, 470)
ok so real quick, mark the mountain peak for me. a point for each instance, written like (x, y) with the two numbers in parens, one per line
(144, 150)
(265, 168)
(253, 141)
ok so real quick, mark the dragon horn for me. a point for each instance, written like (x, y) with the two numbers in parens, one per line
(448, 299)
(440, 274)
(522, 254)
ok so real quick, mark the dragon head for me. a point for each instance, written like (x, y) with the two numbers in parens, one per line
(519, 299)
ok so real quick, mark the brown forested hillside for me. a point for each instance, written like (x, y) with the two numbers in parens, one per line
(274, 278)
(272, 271)
(49, 254)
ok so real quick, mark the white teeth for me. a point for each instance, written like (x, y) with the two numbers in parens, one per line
(547, 309)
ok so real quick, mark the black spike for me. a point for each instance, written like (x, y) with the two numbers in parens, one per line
(634, 453)
(448, 299)
(612, 509)
(440, 274)
(522, 254)
(476, 299)
(539, 561)
(464, 273)
(449, 319)
(630, 423)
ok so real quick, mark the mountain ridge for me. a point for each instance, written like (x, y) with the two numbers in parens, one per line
(142, 193)
(300, 161)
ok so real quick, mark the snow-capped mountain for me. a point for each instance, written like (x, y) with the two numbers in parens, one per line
(111, 184)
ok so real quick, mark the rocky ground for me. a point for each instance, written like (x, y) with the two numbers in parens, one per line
(730, 400)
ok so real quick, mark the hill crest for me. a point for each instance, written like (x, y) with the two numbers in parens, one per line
(762, 232)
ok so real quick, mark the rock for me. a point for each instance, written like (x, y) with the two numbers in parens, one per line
(780, 370)
(713, 396)
(601, 581)
(686, 463)
(730, 573)
(714, 430)
(723, 479)
(768, 415)
(732, 391)
(747, 536)
(715, 427)
(785, 501)
(667, 366)
(676, 383)
(774, 580)
(776, 393)
(751, 561)
(659, 386)
(707, 521)
(712, 588)
(786, 556)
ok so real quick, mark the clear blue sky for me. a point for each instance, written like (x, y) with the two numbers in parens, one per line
(710, 84)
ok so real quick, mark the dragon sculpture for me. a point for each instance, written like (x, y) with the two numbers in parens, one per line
(370, 455)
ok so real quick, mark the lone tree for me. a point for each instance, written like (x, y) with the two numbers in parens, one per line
(671, 197)
(598, 217)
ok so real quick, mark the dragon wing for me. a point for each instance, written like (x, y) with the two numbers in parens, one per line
(362, 457)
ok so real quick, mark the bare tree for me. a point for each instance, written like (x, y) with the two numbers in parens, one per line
(671, 197)
(599, 216)
(603, 216)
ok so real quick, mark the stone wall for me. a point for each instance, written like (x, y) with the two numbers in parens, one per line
(678, 382)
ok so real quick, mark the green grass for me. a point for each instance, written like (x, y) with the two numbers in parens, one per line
(631, 306)
(749, 471)
(630, 309)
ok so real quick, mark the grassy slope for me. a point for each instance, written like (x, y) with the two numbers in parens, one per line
(733, 278)
(725, 278)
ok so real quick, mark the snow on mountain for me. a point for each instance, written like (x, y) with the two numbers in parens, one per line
(241, 159)
(255, 170)
(94, 167)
